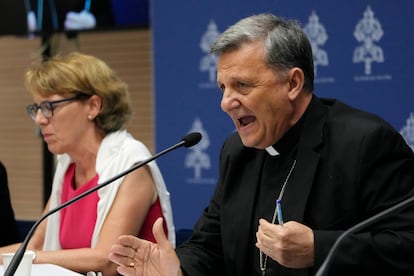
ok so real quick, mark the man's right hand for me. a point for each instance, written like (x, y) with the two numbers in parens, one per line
(137, 257)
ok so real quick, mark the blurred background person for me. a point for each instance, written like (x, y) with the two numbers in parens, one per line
(8, 231)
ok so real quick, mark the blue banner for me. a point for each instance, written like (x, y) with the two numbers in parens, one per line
(362, 51)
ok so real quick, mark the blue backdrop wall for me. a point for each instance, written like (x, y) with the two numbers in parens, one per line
(362, 54)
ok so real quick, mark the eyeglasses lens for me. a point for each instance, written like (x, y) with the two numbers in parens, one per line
(45, 108)
(31, 110)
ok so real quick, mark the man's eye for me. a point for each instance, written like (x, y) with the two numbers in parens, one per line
(221, 87)
(242, 85)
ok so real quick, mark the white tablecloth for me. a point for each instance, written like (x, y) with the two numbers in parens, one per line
(48, 269)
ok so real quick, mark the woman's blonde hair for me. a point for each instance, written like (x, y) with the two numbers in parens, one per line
(76, 73)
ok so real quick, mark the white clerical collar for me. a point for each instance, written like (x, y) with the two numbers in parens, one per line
(272, 151)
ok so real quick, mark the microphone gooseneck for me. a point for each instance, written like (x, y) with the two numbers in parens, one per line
(189, 140)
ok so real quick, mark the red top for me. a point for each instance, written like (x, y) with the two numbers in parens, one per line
(78, 219)
(154, 212)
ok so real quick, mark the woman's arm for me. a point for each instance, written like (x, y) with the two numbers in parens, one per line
(134, 198)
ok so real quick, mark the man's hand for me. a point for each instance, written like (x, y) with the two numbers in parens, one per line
(291, 245)
(137, 257)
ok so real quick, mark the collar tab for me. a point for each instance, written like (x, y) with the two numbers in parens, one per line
(272, 151)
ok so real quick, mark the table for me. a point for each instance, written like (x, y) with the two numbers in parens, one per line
(48, 269)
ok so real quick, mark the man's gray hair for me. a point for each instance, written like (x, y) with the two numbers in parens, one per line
(286, 44)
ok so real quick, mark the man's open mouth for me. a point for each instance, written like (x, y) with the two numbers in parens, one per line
(244, 121)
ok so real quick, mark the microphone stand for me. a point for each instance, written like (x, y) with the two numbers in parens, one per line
(323, 269)
(188, 141)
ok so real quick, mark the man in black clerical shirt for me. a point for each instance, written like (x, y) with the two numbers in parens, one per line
(328, 165)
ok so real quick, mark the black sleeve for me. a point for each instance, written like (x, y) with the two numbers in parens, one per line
(386, 177)
(8, 231)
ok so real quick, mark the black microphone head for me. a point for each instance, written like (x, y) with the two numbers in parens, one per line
(191, 139)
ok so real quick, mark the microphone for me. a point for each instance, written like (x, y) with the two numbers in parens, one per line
(189, 140)
(323, 269)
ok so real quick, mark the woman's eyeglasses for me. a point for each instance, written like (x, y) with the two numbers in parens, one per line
(47, 107)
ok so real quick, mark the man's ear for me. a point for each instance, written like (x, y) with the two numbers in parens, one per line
(296, 79)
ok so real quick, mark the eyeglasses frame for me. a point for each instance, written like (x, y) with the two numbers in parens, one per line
(51, 105)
